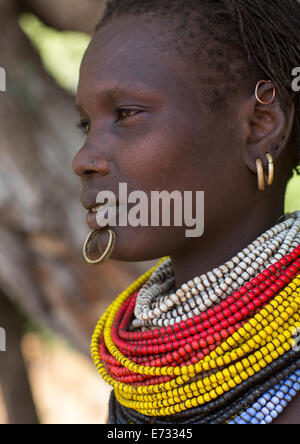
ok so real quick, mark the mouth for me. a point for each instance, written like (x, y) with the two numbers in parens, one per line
(96, 208)
(101, 211)
(91, 206)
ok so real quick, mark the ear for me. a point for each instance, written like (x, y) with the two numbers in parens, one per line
(268, 127)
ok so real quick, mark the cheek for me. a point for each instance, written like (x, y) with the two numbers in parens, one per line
(163, 160)
(185, 156)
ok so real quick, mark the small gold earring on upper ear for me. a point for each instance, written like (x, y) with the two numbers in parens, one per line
(262, 178)
(256, 93)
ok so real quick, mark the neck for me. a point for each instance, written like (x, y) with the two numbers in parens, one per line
(215, 248)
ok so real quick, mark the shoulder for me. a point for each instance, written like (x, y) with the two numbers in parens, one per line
(291, 414)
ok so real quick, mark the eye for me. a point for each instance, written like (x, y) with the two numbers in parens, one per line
(85, 126)
(123, 113)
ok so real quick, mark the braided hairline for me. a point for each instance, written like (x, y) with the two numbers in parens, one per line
(269, 32)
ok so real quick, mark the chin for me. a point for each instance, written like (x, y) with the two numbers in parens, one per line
(134, 244)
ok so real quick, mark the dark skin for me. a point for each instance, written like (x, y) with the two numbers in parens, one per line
(149, 125)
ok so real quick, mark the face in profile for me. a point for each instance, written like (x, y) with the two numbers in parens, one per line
(149, 123)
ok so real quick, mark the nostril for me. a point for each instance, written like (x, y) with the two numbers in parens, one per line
(88, 163)
(90, 168)
(89, 172)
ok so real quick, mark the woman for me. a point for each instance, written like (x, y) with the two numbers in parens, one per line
(188, 96)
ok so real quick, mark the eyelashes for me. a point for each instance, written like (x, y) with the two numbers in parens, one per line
(84, 126)
(121, 115)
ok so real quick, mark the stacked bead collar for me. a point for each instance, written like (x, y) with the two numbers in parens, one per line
(156, 308)
(167, 353)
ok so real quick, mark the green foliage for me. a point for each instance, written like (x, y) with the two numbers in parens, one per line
(61, 52)
(292, 201)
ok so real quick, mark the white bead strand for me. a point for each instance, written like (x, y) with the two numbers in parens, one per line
(159, 305)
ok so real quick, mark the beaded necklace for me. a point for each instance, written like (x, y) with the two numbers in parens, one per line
(187, 356)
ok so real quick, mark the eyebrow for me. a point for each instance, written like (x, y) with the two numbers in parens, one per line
(140, 90)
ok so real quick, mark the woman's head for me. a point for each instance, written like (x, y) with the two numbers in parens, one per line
(167, 98)
(244, 40)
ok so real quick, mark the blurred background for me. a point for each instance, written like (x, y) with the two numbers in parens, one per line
(50, 300)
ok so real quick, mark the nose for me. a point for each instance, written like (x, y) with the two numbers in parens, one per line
(88, 162)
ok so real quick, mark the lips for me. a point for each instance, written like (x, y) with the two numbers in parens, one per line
(88, 198)
(96, 208)
(89, 202)
(96, 212)
(91, 205)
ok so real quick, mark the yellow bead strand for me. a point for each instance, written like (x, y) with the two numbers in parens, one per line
(258, 343)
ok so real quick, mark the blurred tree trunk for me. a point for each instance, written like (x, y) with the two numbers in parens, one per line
(13, 374)
(42, 225)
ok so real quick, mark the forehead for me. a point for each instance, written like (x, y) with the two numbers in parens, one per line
(136, 51)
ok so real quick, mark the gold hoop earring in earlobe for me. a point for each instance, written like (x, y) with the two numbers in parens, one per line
(271, 169)
(262, 178)
(260, 175)
(107, 253)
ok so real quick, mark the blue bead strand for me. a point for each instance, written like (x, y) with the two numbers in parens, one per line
(267, 408)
